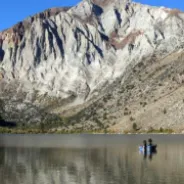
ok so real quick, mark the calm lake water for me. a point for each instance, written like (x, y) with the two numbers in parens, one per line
(90, 159)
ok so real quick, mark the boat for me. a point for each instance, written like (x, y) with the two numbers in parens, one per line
(149, 149)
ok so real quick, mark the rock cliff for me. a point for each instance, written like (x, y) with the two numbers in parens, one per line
(96, 64)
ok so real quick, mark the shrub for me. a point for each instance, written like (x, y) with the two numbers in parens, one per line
(105, 115)
(134, 126)
(161, 129)
(143, 104)
(126, 111)
(131, 118)
(150, 129)
(42, 127)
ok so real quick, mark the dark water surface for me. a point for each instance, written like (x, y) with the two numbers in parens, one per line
(90, 159)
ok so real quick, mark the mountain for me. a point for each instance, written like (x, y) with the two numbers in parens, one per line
(99, 65)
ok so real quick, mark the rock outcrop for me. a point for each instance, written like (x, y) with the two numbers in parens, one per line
(64, 60)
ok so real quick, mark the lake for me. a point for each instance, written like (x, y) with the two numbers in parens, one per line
(90, 159)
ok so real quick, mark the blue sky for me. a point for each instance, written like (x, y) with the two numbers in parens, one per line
(13, 11)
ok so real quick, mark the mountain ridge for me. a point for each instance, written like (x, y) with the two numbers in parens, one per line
(69, 59)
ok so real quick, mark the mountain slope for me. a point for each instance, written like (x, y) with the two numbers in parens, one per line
(66, 61)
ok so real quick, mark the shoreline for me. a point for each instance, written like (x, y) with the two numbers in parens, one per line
(4, 130)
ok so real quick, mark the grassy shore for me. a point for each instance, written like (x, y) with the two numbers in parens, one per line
(5, 130)
(39, 131)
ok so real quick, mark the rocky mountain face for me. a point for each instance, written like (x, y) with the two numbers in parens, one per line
(99, 65)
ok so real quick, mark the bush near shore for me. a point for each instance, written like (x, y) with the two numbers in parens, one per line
(5, 130)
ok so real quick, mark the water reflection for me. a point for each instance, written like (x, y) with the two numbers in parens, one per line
(115, 163)
(148, 155)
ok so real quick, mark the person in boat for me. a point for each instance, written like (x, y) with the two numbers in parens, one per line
(145, 148)
(152, 146)
(144, 145)
(150, 142)
(148, 150)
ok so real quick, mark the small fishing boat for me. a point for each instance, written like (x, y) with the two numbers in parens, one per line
(152, 149)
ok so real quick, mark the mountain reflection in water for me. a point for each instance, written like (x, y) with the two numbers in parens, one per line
(89, 159)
